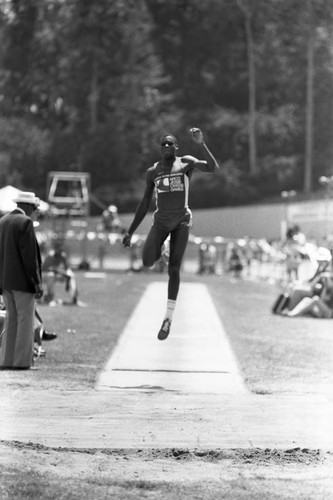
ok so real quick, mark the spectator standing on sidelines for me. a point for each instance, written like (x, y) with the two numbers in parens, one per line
(235, 262)
(169, 178)
(20, 281)
(55, 269)
(110, 221)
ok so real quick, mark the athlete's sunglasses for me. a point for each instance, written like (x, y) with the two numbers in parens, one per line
(167, 143)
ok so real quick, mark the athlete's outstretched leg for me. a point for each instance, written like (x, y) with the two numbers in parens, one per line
(178, 243)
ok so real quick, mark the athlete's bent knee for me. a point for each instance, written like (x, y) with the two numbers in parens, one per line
(148, 261)
(149, 258)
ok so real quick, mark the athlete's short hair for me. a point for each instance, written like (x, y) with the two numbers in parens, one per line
(168, 136)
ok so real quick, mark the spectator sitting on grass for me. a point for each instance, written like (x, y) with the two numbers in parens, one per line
(320, 305)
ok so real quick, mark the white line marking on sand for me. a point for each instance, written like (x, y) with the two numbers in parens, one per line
(195, 358)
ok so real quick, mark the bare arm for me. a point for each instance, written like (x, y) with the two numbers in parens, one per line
(209, 164)
(141, 210)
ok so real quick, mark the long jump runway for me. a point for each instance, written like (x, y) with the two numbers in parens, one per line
(196, 357)
(184, 392)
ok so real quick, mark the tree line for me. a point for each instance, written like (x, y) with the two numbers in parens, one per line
(89, 85)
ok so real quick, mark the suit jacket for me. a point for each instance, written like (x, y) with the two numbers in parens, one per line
(20, 259)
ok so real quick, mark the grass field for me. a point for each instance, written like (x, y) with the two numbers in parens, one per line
(274, 354)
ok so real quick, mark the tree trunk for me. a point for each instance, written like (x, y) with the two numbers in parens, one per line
(309, 103)
(246, 9)
(252, 96)
(94, 96)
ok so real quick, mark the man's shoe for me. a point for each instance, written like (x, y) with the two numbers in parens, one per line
(165, 329)
(49, 335)
(38, 352)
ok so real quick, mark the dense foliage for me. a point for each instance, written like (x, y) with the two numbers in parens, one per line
(89, 85)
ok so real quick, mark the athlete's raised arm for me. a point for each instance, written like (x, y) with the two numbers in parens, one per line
(141, 210)
(209, 164)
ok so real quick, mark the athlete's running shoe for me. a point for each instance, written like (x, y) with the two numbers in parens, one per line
(165, 329)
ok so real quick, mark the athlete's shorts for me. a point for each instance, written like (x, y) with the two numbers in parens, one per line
(168, 221)
(157, 235)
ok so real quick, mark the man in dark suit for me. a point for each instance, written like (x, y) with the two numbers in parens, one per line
(20, 282)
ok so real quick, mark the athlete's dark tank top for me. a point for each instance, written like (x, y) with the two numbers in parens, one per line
(171, 186)
(171, 194)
